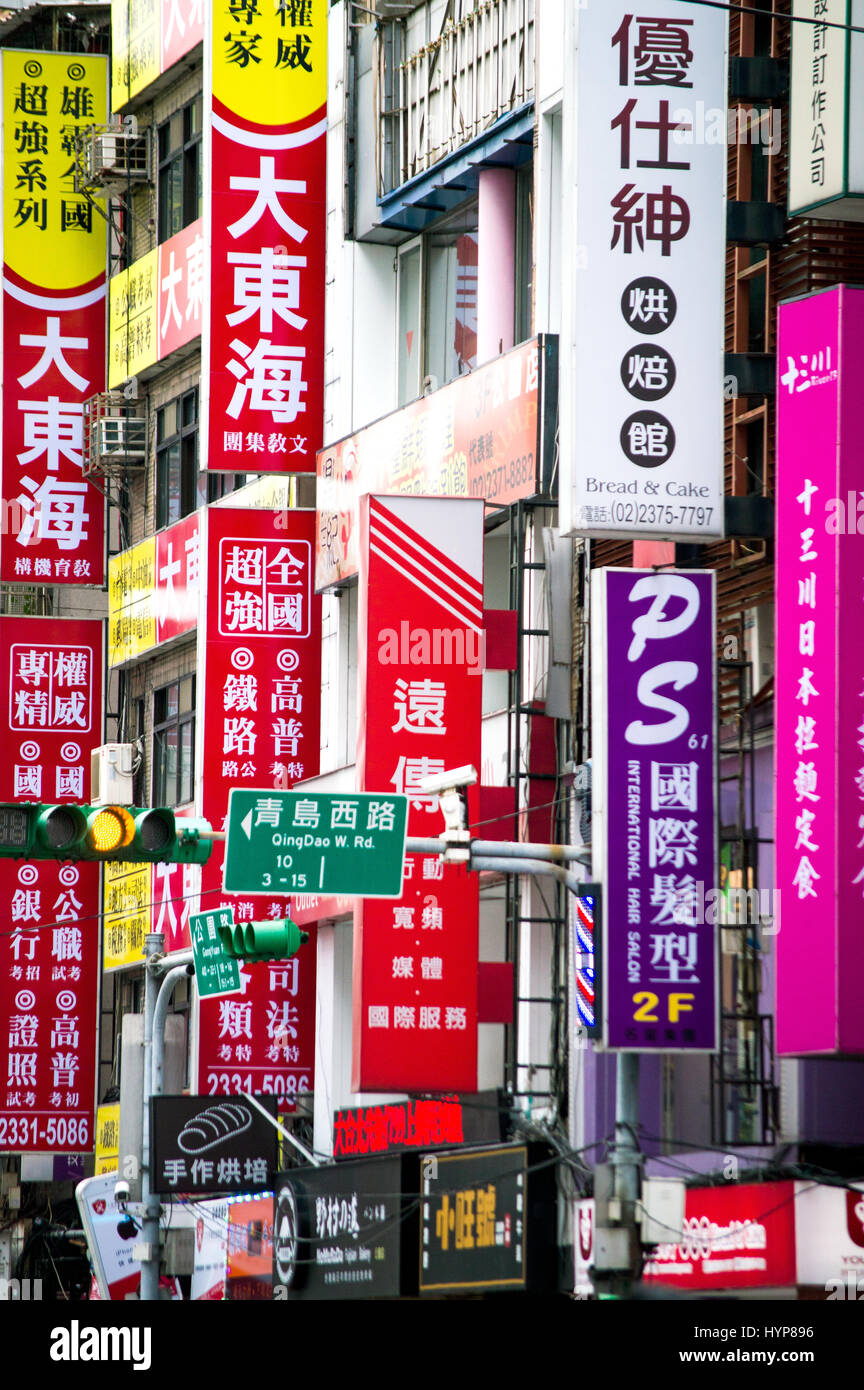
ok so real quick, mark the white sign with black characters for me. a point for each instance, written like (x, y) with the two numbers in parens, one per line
(645, 447)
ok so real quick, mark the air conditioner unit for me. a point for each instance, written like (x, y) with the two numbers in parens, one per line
(759, 643)
(122, 437)
(111, 772)
(114, 158)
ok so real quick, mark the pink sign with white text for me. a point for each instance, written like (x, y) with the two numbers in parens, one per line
(820, 674)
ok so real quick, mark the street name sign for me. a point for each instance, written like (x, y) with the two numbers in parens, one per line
(350, 844)
(215, 972)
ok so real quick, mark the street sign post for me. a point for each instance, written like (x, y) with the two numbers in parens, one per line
(350, 844)
(215, 971)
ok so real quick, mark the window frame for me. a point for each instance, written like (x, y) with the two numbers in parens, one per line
(189, 474)
(163, 793)
(188, 154)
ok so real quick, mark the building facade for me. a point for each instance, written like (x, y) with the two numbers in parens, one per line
(382, 284)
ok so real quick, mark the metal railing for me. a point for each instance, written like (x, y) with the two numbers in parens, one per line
(444, 93)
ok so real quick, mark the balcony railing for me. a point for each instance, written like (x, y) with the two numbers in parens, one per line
(434, 97)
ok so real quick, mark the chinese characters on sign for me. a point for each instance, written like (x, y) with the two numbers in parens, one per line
(53, 321)
(415, 979)
(155, 306)
(654, 654)
(211, 1146)
(648, 431)
(260, 649)
(266, 218)
(819, 675)
(51, 679)
(824, 124)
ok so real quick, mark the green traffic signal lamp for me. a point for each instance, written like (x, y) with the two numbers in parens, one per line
(105, 833)
(254, 941)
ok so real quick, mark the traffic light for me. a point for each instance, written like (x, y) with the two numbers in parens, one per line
(263, 940)
(117, 833)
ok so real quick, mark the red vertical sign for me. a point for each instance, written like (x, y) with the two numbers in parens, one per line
(415, 960)
(51, 718)
(53, 359)
(262, 694)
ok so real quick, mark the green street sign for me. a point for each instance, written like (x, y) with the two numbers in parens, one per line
(215, 972)
(350, 844)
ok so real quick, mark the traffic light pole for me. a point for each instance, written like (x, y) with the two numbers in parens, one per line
(541, 860)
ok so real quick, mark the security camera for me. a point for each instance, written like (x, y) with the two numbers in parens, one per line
(449, 781)
(121, 1192)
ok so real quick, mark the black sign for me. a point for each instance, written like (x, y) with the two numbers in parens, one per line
(488, 1220)
(338, 1231)
(204, 1144)
(418, 1124)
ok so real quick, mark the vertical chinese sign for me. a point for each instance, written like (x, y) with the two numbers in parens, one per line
(819, 676)
(263, 347)
(826, 150)
(54, 262)
(419, 696)
(650, 229)
(51, 718)
(260, 652)
(655, 804)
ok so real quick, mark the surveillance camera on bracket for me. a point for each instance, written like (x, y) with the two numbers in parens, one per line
(450, 781)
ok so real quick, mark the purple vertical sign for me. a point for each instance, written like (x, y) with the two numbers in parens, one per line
(819, 676)
(653, 652)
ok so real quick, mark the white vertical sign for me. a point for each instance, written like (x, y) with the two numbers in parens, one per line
(646, 356)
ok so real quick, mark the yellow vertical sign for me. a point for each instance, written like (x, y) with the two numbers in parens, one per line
(133, 310)
(127, 914)
(135, 44)
(132, 602)
(53, 236)
(270, 60)
(107, 1138)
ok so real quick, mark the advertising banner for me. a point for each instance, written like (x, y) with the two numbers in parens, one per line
(419, 698)
(54, 253)
(487, 1221)
(338, 1232)
(155, 306)
(654, 799)
(153, 591)
(147, 38)
(126, 914)
(260, 654)
(826, 109)
(204, 1147)
(50, 719)
(265, 211)
(646, 457)
(483, 435)
(819, 676)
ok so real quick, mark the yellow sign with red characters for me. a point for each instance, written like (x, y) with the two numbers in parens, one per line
(53, 236)
(270, 59)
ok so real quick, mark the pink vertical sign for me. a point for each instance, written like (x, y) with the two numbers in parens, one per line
(820, 675)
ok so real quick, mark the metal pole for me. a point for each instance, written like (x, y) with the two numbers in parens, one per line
(157, 1060)
(286, 1133)
(153, 946)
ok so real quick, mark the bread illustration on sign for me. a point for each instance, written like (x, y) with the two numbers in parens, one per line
(211, 1126)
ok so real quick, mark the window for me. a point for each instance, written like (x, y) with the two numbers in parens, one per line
(174, 743)
(438, 304)
(180, 184)
(178, 487)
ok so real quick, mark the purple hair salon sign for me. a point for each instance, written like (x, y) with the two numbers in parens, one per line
(655, 807)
